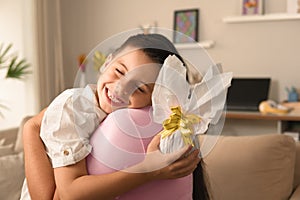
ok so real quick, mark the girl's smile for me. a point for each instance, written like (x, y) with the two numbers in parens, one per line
(113, 99)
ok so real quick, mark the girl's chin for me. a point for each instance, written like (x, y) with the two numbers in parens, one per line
(108, 108)
(116, 106)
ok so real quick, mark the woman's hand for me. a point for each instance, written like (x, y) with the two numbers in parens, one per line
(185, 164)
(167, 166)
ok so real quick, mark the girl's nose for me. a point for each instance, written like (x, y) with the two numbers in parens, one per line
(125, 88)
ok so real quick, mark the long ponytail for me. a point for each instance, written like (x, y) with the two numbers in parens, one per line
(200, 183)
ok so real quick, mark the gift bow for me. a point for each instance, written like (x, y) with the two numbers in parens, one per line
(181, 122)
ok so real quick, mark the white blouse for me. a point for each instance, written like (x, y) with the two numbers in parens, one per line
(68, 123)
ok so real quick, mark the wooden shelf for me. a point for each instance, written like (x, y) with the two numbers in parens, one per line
(292, 116)
(289, 122)
(204, 44)
(261, 18)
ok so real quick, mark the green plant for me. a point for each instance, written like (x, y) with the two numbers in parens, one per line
(16, 68)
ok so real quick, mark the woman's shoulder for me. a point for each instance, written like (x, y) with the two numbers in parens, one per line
(125, 133)
(140, 116)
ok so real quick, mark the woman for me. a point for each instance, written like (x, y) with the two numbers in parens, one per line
(72, 181)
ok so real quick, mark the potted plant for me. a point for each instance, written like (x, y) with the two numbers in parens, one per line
(15, 67)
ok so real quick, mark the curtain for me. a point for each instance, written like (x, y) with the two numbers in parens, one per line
(49, 50)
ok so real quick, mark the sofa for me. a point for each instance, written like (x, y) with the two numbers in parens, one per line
(260, 167)
(11, 166)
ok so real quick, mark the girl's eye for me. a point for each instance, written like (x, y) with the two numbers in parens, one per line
(141, 90)
(119, 71)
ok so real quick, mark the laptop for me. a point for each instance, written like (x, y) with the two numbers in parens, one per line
(245, 94)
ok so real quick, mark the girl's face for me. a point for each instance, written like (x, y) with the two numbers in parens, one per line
(127, 81)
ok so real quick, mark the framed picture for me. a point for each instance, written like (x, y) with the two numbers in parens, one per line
(186, 26)
(252, 7)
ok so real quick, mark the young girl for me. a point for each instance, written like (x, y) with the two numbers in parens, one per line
(127, 81)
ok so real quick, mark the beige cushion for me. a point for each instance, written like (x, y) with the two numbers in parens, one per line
(6, 149)
(11, 176)
(7, 141)
(251, 167)
(8, 136)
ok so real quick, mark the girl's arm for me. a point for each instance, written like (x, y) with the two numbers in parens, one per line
(38, 169)
(74, 183)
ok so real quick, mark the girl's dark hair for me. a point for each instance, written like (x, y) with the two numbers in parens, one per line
(200, 183)
(158, 48)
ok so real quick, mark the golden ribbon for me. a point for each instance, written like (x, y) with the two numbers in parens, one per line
(181, 122)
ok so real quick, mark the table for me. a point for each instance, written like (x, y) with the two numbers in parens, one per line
(285, 122)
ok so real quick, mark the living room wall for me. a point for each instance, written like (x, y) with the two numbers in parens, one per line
(19, 96)
(256, 49)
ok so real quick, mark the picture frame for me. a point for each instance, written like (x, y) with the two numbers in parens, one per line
(186, 26)
(252, 7)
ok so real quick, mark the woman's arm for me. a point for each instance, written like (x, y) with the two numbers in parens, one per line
(73, 182)
(38, 169)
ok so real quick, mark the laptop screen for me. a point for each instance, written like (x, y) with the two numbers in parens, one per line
(245, 94)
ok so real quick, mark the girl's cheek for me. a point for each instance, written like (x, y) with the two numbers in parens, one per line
(106, 77)
(111, 74)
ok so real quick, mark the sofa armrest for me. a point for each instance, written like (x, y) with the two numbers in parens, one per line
(9, 136)
(296, 194)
